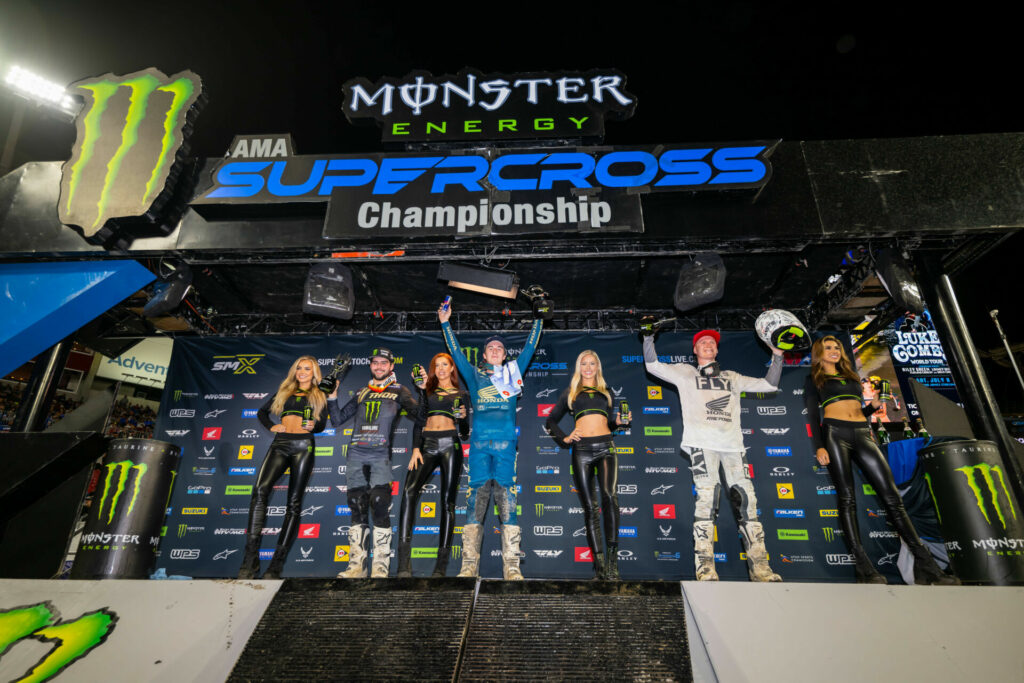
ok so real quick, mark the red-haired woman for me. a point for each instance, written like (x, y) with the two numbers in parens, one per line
(440, 429)
(302, 409)
(841, 434)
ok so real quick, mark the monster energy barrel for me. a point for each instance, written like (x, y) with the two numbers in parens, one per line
(122, 533)
(980, 518)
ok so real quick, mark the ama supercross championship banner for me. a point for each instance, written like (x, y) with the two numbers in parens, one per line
(216, 385)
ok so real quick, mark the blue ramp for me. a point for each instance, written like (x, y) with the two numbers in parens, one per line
(42, 303)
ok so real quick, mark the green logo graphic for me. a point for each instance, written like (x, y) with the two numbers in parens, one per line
(177, 395)
(324, 451)
(830, 533)
(72, 639)
(372, 409)
(794, 332)
(868, 490)
(472, 354)
(538, 509)
(424, 552)
(129, 138)
(182, 529)
(456, 552)
(238, 490)
(793, 534)
(124, 468)
(657, 431)
(984, 470)
(519, 510)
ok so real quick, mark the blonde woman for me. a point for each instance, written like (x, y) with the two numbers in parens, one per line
(302, 409)
(589, 402)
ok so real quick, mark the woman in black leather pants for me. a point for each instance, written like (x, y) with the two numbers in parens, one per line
(593, 456)
(441, 427)
(842, 435)
(302, 408)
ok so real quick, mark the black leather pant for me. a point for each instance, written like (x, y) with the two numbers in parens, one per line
(440, 449)
(298, 455)
(593, 457)
(846, 441)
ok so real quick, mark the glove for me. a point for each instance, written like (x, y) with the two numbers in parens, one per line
(648, 325)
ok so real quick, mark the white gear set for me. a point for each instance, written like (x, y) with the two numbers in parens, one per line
(710, 406)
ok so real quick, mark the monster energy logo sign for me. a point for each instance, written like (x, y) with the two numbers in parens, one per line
(372, 409)
(472, 354)
(70, 640)
(984, 471)
(123, 469)
(130, 137)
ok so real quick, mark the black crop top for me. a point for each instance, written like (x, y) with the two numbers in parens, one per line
(587, 403)
(439, 402)
(835, 388)
(294, 405)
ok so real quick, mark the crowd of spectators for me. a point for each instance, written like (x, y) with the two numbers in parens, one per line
(10, 399)
(131, 421)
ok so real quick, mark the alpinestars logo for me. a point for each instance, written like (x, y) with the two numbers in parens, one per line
(129, 140)
(718, 406)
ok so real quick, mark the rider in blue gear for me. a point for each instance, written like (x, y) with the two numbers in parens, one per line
(493, 388)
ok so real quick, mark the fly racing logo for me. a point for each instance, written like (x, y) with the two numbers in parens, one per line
(544, 393)
(775, 431)
(255, 397)
(240, 364)
(225, 554)
(181, 412)
(371, 410)
(718, 406)
(128, 146)
(661, 490)
(176, 432)
(214, 413)
(548, 554)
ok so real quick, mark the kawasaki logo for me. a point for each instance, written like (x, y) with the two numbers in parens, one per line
(129, 138)
(124, 468)
(70, 640)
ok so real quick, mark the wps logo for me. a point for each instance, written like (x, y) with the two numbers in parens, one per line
(241, 364)
(771, 410)
(990, 502)
(115, 490)
(129, 142)
(540, 530)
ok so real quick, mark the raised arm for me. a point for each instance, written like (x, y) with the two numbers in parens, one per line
(340, 416)
(530, 346)
(769, 383)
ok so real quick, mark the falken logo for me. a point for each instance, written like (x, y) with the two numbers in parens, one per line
(214, 413)
(661, 489)
(218, 397)
(239, 364)
(718, 406)
(541, 530)
(794, 513)
(114, 171)
(242, 470)
(548, 554)
(656, 410)
(775, 431)
(255, 397)
(771, 410)
(181, 412)
(176, 432)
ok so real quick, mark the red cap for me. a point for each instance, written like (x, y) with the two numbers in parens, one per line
(707, 333)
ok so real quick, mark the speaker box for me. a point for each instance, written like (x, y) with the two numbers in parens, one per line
(897, 278)
(701, 281)
(329, 291)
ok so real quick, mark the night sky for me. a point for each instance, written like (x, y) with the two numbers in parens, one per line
(701, 72)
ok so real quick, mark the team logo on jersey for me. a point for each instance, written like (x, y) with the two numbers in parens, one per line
(718, 406)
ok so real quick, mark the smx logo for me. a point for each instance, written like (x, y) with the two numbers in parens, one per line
(129, 140)
(241, 364)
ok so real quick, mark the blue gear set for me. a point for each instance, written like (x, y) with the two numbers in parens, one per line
(493, 391)
(439, 449)
(376, 409)
(593, 459)
(851, 441)
(709, 401)
(288, 451)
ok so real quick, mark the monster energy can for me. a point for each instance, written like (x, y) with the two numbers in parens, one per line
(122, 532)
(980, 517)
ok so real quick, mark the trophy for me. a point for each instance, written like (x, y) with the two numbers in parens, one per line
(329, 383)
(543, 307)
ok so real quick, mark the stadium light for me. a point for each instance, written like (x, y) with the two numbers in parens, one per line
(40, 90)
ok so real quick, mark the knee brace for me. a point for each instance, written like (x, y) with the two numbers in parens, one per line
(380, 502)
(708, 498)
(359, 502)
(741, 497)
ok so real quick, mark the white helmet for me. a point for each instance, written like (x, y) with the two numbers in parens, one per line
(782, 330)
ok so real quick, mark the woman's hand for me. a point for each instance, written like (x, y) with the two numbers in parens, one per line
(463, 412)
(416, 460)
(621, 419)
(308, 425)
(277, 429)
(420, 378)
(822, 456)
(573, 436)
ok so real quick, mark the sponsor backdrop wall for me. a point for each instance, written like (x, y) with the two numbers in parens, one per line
(215, 386)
